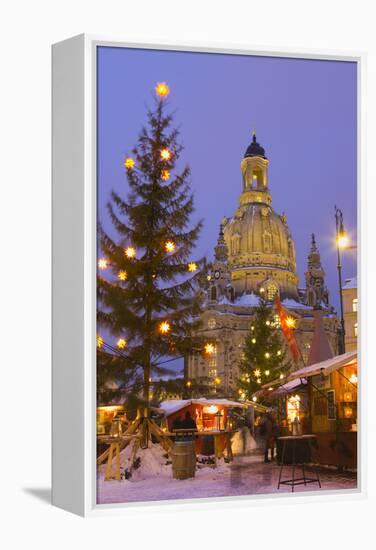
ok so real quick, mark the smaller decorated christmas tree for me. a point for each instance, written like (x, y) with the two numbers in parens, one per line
(264, 357)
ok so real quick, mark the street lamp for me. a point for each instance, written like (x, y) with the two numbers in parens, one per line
(342, 242)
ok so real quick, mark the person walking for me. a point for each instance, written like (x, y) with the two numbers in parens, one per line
(266, 432)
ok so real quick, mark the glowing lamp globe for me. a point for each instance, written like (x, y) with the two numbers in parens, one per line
(343, 241)
(162, 90)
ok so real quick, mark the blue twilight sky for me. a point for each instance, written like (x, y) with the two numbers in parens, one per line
(305, 116)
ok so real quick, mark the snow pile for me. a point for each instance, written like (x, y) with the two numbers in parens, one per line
(243, 443)
(151, 462)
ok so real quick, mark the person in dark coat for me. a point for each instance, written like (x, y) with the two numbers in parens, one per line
(188, 422)
(176, 425)
(266, 432)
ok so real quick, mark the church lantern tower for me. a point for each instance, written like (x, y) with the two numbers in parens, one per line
(316, 291)
(261, 251)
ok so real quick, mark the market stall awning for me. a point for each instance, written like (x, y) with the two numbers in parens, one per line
(278, 389)
(325, 367)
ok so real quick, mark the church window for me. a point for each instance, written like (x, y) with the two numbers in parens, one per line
(211, 323)
(257, 178)
(267, 242)
(356, 329)
(271, 291)
(355, 304)
(235, 244)
(213, 293)
(311, 297)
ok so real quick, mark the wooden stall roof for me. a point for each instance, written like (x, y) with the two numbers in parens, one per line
(173, 405)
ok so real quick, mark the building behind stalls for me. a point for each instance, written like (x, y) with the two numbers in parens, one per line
(255, 256)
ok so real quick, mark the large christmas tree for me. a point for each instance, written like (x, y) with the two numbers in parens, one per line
(148, 297)
(264, 356)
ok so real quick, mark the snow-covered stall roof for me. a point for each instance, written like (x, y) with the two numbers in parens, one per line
(325, 367)
(173, 405)
(350, 283)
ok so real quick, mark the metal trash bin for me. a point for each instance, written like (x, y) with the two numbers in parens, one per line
(183, 459)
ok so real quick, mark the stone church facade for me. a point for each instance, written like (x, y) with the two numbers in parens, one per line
(255, 256)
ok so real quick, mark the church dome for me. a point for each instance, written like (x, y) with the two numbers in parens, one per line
(261, 251)
(255, 149)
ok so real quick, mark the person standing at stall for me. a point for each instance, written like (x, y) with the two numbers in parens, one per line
(266, 432)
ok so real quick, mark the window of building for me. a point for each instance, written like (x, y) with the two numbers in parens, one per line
(213, 293)
(356, 329)
(267, 238)
(211, 323)
(331, 404)
(271, 291)
(355, 304)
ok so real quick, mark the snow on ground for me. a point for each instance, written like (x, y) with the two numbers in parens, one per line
(243, 443)
(246, 475)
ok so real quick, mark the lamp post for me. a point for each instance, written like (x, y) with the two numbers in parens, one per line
(341, 242)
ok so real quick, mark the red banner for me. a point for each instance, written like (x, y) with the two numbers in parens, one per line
(287, 330)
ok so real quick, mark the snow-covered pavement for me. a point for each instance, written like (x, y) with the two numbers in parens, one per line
(247, 475)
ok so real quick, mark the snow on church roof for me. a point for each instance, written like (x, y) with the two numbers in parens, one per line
(289, 303)
(247, 300)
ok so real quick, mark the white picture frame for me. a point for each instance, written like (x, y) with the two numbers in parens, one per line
(74, 272)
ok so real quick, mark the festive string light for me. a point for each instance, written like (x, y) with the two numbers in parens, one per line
(129, 163)
(164, 327)
(192, 267)
(121, 343)
(122, 275)
(169, 246)
(262, 289)
(257, 373)
(270, 389)
(279, 352)
(353, 379)
(208, 277)
(165, 154)
(267, 355)
(99, 342)
(165, 175)
(267, 372)
(162, 89)
(209, 349)
(259, 381)
(103, 263)
(217, 380)
(281, 376)
(252, 328)
(189, 384)
(290, 322)
(253, 340)
(267, 323)
(130, 252)
(254, 399)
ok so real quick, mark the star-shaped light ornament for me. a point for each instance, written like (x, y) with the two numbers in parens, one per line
(162, 90)
(129, 163)
(164, 327)
(192, 267)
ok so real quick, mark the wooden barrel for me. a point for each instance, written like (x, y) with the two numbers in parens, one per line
(183, 459)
